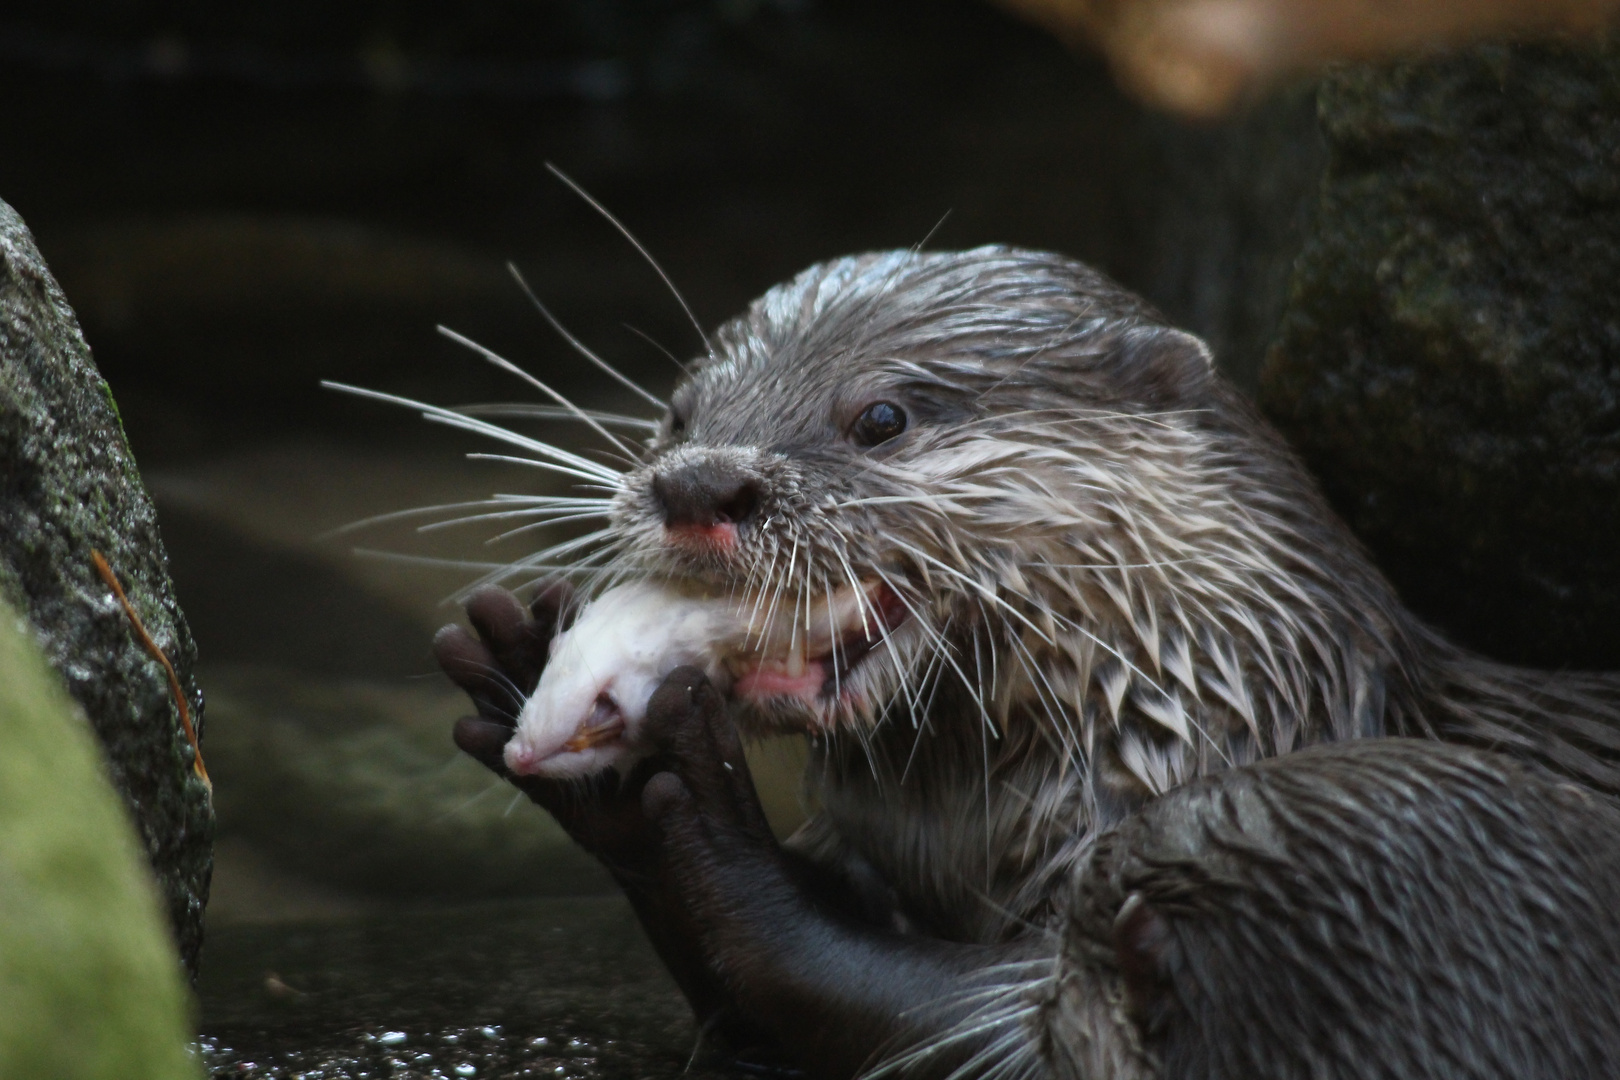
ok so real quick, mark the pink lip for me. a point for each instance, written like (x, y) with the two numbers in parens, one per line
(720, 537)
(760, 683)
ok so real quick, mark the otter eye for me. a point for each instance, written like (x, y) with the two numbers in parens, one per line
(881, 421)
(677, 423)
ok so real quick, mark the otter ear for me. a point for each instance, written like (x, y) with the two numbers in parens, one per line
(1158, 366)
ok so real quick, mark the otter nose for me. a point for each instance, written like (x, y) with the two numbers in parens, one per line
(703, 494)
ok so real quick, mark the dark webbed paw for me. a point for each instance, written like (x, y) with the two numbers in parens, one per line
(718, 857)
(499, 668)
(708, 777)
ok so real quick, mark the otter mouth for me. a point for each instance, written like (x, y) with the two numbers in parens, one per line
(808, 655)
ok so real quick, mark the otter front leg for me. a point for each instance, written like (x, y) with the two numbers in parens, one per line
(497, 669)
(838, 994)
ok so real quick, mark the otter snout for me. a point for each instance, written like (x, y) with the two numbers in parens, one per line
(705, 492)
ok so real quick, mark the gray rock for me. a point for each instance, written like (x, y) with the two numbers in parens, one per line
(68, 486)
(1450, 361)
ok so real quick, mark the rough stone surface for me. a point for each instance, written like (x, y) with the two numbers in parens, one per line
(89, 980)
(68, 485)
(1450, 361)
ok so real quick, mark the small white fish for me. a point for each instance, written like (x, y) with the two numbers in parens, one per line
(587, 712)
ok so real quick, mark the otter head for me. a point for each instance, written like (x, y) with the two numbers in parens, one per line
(894, 456)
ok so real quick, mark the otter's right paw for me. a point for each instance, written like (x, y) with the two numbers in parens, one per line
(500, 667)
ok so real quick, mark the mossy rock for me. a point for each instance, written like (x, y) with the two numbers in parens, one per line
(91, 986)
(69, 487)
(1449, 364)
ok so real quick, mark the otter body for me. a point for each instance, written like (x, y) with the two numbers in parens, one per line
(1388, 908)
(1086, 574)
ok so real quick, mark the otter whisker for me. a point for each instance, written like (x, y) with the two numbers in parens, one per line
(557, 412)
(435, 414)
(416, 511)
(506, 365)
(578, 345)
(537, 525)
(920, 716)
(980, 590)
(649, 339)
(1052, 341)
(426, 560)
(568, 546)
(708, 347)
(537, 562)
(781, 586)
(967, 683)
(555, 513)
(593, 472)
(495, 784)
(512, 459)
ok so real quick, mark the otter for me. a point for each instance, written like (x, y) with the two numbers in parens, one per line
(1090, 575)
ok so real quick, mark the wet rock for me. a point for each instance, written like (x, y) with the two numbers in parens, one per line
(1450, 361)
(92, 987)
(68, 486)
(562, 988)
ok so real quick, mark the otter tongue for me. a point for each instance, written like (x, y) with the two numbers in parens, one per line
(774, 679)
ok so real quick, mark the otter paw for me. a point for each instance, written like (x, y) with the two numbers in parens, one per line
(687, 720)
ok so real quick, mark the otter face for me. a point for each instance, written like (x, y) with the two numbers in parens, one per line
(886, 458)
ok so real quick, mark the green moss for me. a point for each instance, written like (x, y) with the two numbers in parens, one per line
(112, 403)
(88, 976)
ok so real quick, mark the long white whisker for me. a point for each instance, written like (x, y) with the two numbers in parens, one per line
(540, 384)
(418, 511)
(454, 419)
(555, 512)
(513, 459)
(522, 411)
(425, 560)
(708, 347)
(966, 682)
(649, 339)
(532, 526)
(579, 346)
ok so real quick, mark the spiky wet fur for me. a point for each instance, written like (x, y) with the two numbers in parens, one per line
(1120, 578)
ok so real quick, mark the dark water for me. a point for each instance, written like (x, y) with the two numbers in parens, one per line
(557, 988)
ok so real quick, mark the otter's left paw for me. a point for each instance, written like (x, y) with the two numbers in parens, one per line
(717, 849)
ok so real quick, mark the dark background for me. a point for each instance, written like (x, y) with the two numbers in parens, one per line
(243, 199)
